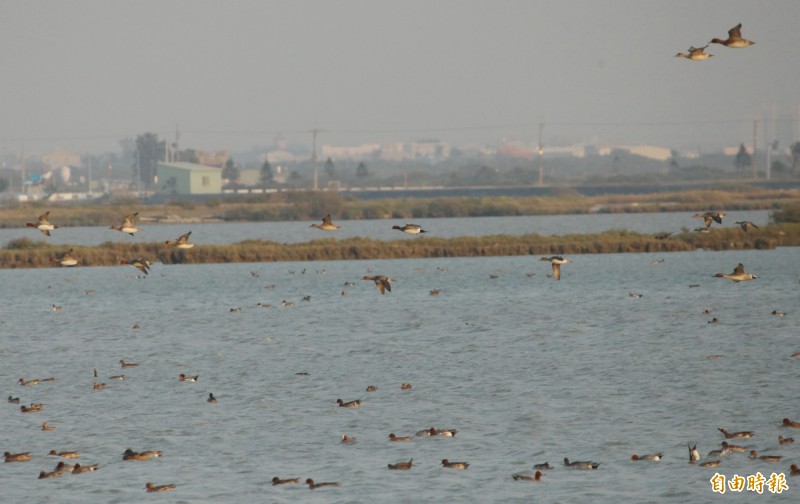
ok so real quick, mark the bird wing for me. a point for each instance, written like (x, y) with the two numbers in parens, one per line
(739, 269)
(735, 32)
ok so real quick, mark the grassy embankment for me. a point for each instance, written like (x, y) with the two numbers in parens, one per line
(36, 253)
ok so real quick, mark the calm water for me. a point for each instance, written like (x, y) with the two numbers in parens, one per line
(293, 232)
(528, 370)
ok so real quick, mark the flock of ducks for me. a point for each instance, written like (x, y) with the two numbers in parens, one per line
(734, 41)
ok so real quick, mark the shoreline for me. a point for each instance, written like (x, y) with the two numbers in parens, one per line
(26, 253)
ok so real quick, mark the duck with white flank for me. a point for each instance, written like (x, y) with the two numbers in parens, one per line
(127, 225)
(695, 54)
(181, 242)
(43, 225)
(66, 259)
(327, 224)
(139, 263)
(734, 39)
(738, 275)
(410, 229)
(581, 464)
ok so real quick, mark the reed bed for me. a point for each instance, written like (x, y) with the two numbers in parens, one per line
(26, 253)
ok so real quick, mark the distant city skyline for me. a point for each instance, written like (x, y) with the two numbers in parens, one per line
(83, 75)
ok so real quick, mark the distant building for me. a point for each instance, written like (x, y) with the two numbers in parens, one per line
(188, 178)
(61, 158)
(357, 153)
(213, 158)
(430, 149)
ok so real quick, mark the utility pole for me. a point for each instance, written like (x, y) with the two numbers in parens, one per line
(755, 158)
(541, 156)
(22, 170)
(314, 133)
(89, 163)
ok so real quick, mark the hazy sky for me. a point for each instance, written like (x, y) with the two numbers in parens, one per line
(82, 74)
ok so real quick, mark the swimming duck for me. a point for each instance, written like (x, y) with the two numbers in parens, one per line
(401, 466)
(64, 467)
(13, 400)
(765, 458)
(393, 437)
(183, 377)
(783, 440)
(348, 439)
(732, 447)
(711, 217)
(124, 364)
(312, 485)
(79, 469)
(66, 259)
(28, 382)
(132, 455)
(736, 435)
(714, 320)
(747, 225)
(427, 432)
(556, 262)
(65, 454)
(435, 292)
(43, 225)
(151, 453)
(211, 398)
(349, 404)
(159, 488)
(47, 427)
(371, 388)
(734, 39)
(738, 274)
(710, 463)
(523, 477)
(723, 452)
(288, 481)
(54, 474)
(17, 457)
(410, 229)
(327, 224)
(443, 432)
(128, 225)
(287, 304)
(383, 283)
(33, 408)
(405, 386)
(542, 467)
(98, 386)
(794, 470)
(581, 465)
(142, 265)
(791, 423)
(695, 54)
(651, 457)
(455, 465)
(181, 242)
(117, 377)
(56, 309)
(778, 313)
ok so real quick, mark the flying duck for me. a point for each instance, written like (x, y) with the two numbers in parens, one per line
(738, 274)
(410, 229)
(142, 265)
(734, 39)
(181, 242)
(383, 283)
(66, 259)
(327, 224)
(747, 225)
(43, 225)
(710, 217)
(695, 54)
(556, 262)
(128, 225)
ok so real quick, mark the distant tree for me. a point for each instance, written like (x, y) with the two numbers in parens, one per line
(149, 151)
(230, 172)
(3, 184)
(330, 169)
(673, 158)
(485, 176)
(266, 173)
(361, 170)
(743, 158)
(795, 158)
